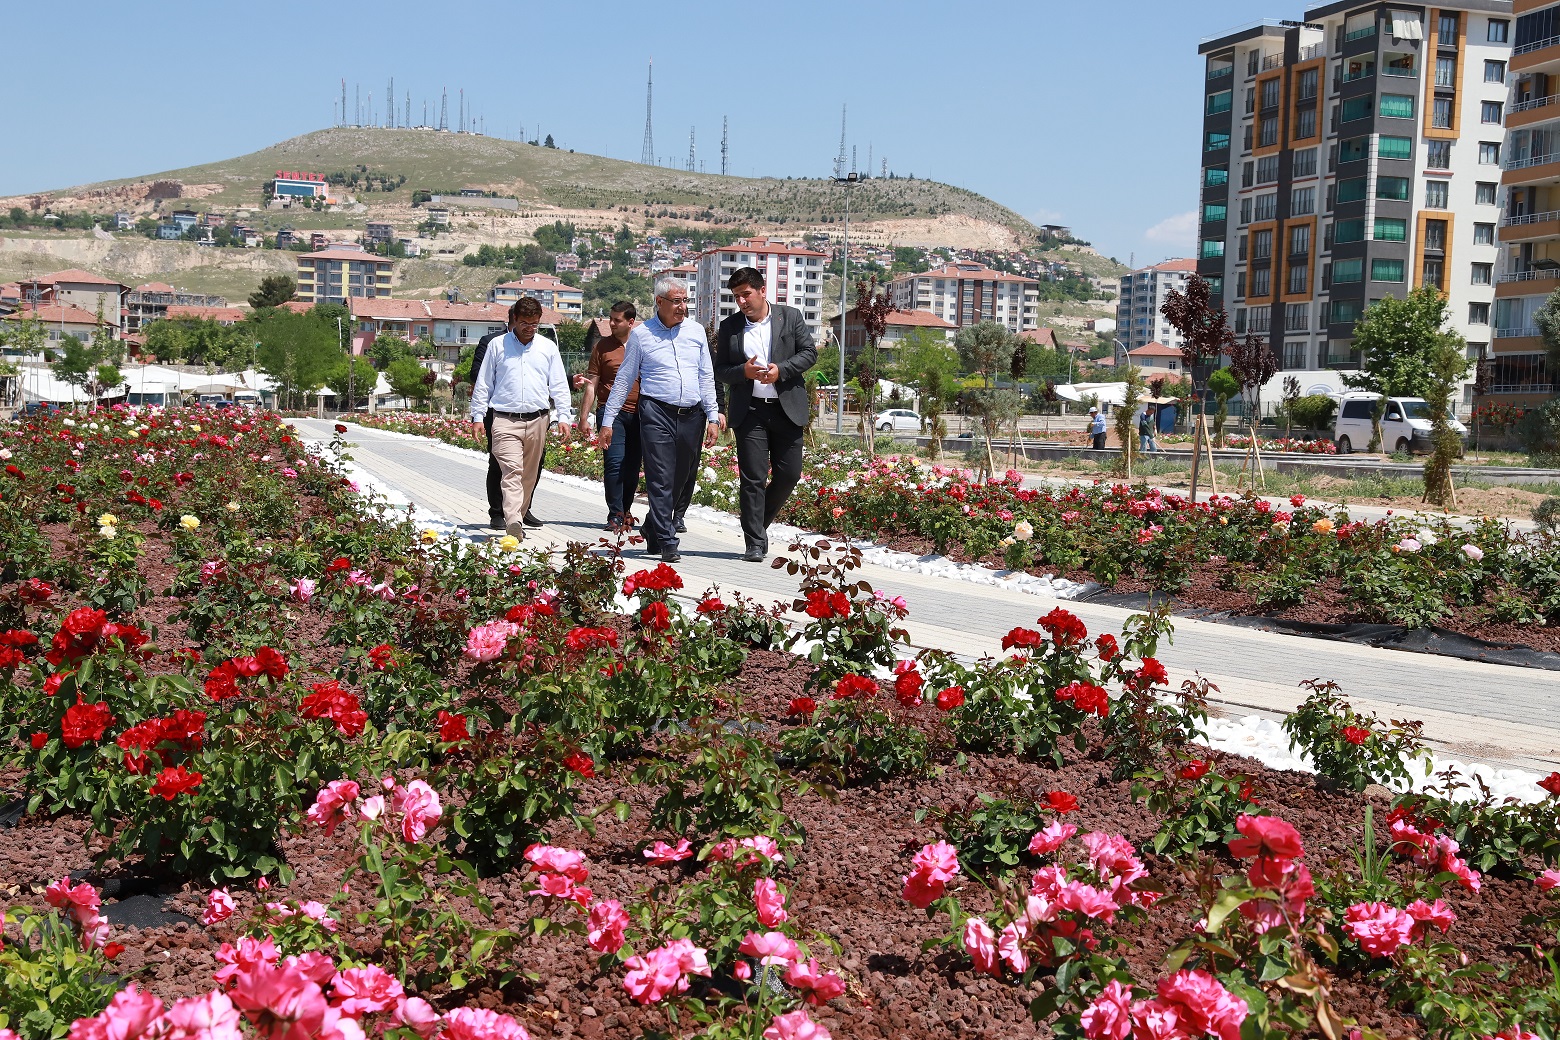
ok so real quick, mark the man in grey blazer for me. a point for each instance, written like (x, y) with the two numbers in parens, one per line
(762, 352)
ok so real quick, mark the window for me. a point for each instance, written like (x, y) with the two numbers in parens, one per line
(1494, 71)
(1441, 113)
(1433, 273)
(1299, 278)
(1295, 355)
(1353, 150)
(1261, 245)
(1347, 271)
(1435, 235)
(1270, 94)
(1261, 282)
(1446, 30)
(1218, 103)
(1251, 100)
(1438, 155)
(1386, 270)
(1484, 193)
(1212, 248)
(1478, 314)
(1240, 319)
(1302, 202)
(1215, 141)
(1499, 31)
(1391, 229)
(1356, 108)
(1242, 253)
(1269, 135)
(1398, 64)
(1214, 212)
(1392, 188)
(1481, 274)
(1395, 147)
(1214, 176)
(1304, 162)
(1350, 231)
(1247, 174)
(1297, 316)
(1489, 153)
(1397, 106)
(1351, 190)
(1436, 194)
(1267, 206)
(1245, 211)
(1359, 68)
(1490, 112)
(1345, 311)
(1246, 143)
(1300, 240)
(1215, 284)
(1305, 87)
(1484, 234)
(1267, 169)
(1240, 285)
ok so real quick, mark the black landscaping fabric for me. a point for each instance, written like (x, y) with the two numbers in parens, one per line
(1428, 640)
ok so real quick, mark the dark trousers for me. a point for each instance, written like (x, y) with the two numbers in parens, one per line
(620, 465)
(685, 491)
(769, 460)
(1099, 441)
(495, 479)
(669, 439)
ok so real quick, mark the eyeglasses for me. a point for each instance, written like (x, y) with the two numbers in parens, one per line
(676, 301)
(527, 324)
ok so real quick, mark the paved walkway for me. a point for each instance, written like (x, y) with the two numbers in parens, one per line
(1485, 712)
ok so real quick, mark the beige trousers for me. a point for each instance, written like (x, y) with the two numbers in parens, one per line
(518, 446)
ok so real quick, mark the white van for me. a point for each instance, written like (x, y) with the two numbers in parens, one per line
(1405, 426)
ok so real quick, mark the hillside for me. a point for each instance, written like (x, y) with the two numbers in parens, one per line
(564, 180)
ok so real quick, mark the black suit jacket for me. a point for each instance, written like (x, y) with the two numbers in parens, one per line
(790, 347)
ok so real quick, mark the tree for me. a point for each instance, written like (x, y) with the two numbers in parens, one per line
(1126, 420)
(1547, 318)
(872, 309)
(1396, 340)
(985, 349)
(275, 290)
(1252, 363)
(925, 361)
(387, 349)
(405, 376)
(1223, 385)
(571, 337)
(26, 336)
(166, 340)
(298, 351)
(1204, 329)
(1448, 368)
(1291, 395)
(352, 383)
(549, 142)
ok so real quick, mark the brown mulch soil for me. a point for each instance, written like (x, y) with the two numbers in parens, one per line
(858, 842)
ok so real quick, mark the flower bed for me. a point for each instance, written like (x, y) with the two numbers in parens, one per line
(414, 787)
(1276, 445)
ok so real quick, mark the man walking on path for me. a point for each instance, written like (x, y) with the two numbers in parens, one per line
(762, 352)
(1097, 428)
(620, 466)
(670, 357)
(521, 379)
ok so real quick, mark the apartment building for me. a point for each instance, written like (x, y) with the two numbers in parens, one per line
(338, 274)
(1138, 299)
(1516, 370)
(968, 293)
(548, 290)
(793, 275)
(1351, 157)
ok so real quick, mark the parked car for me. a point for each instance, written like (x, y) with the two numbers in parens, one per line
(898, 420)
(213, 400)
(1405, 426)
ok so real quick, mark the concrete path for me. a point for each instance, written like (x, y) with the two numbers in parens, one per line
(1485, 712)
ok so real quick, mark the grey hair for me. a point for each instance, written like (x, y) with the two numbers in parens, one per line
(666, 283)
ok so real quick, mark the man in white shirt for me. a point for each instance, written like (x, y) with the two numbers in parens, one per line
(521, 379)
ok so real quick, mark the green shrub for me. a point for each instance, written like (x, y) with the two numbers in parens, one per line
(1313, 412)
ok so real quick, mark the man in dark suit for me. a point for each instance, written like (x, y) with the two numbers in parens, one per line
(495, 479)
(762, 352)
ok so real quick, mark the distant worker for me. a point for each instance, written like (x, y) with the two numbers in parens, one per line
(522, 380)
(1097, 427)
(669, 356)
(763, 352)
(620, 464)
(1146, 422)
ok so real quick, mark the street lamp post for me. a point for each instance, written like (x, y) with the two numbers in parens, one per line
(839, 391)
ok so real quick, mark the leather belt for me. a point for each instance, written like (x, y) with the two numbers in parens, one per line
(520, 416)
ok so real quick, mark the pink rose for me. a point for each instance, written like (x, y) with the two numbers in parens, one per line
(1052, 837)
(467, 1023)
(361, 991)
(980, 942)
(210, 1016)
(1203, 1005)
(568, 862)
(333, 805)
(1087, 900)
(1380, 929)
(1548, 881)
(770, 947)
(770, 903)
(795, 1025)
(661, 853)
(1268, 836)
(219, 907)
(487, 642)
(817, 986)
(419, 807)
(605, 926)
(244, 958)
(283, 995)
(416, 1014)
(1010, 945)
(1426, 915)
(1109, 1017)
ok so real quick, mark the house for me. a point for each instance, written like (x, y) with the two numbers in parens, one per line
(83, 290)
(457, 324)
(968, 293)
(1155, 359)
(899, 325)
(439, 215)
(596, 268)
(296, 184)
(153, 300)
(123, 221)
(379, 233)
(341, 272)
(170, 232)
(61, 320)
(1043, 336)
(566, 262)
(410, 246)
(285, 238)
(1101, 326)
(548, 290)
(412, 320)
(220, 315)
(318, 240)
(793, 275)
(185, 219)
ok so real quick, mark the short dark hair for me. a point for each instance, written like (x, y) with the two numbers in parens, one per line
(624, 309)
(525, 307)
(750, 276)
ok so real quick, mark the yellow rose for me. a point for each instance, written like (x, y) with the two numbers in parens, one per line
(1323, 526)
(428, 536)
(188, 522)
(508, 543)
(1224, 520)
(195, 427)
(107, 520)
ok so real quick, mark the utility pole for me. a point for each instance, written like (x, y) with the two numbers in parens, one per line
(839, 394)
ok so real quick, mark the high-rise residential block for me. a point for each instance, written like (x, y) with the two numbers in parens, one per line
(969, 293)
(1351, 157)
(1516, 370)
(1139, 321)
(793, 275)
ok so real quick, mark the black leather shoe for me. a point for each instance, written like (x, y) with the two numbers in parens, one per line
(531, 520)
(754, 556)
(682, 527)
(671, 556)
(496, 521)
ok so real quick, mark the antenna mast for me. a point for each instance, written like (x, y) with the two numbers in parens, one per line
(357, 104)
(647, 150)
(723, 153)
(406, 120)
(444, 109)
(839, 160)
(462, 127)
(692, 161)
(343, 101)
(390, 104)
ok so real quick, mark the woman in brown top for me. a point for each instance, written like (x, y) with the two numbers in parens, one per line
(620, 467)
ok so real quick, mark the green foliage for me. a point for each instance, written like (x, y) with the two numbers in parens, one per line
(274, 290)
(1504, 834)
(1397, 340)
(993, 834)
(1547, 515)
(986, 349)
(1539, 432)
(298, 351)
(1313, 411)
(854, 741)
(1448, 367)
(514, 786)
(719, 781)
(1347, 748)
(47, 980)
(1197, 810)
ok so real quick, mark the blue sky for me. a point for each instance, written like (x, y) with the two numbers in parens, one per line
(1084, 114)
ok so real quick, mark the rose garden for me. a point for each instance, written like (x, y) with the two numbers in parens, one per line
(281, 765)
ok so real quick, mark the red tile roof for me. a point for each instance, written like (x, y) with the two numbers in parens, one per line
(225, 315)
(155, 287)
(1155, 349)
(496, 313)
(539, 281)
(296, 176)
(972, 272)
(379, 308)
(1045, 336)
(764, 245)
(1175, 265)
(56, 313)
(297, 306)
(76, 275)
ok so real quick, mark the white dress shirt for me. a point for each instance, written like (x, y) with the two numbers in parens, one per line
(756, 338)
(522, 377)
(673, 366)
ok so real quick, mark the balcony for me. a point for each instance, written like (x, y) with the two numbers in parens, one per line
(1311, 53)
(1521, 388)
(1228, 70)
(1529, 226)
(1518, 332)
(1359, 34)
(1535, 55)
(1272, 61)
(1532, 169)
(1530, 276)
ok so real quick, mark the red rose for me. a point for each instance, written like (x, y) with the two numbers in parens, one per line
(271, 663)
(1060, 802)
(452, 728)
(1087, 697)
(1021, 637)
(341, 428)
(221, 682)
(1065, 627)
(1355, 735)
(329, 701)
(382, 656)
(950, 698)
(802, 706)
(84, 722)
(855, 686)
(1106, 645)
(52, 684)
(581, 764)
(113, 950)
(907, 687)
(712, 605)
(1551, 783)
(656, 617)
(38, 740)
(1195, 770)
(173, 782)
